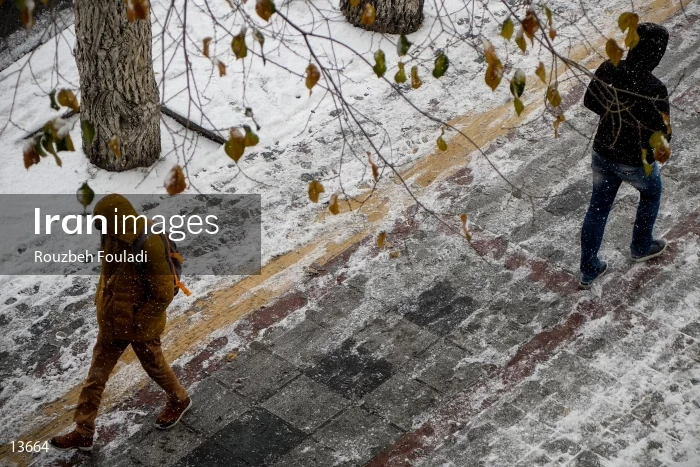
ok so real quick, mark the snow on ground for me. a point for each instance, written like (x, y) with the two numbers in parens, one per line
(300, 141)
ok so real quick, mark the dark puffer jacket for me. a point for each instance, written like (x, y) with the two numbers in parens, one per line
(626, 125)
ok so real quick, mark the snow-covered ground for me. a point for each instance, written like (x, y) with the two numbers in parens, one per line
(47, 334)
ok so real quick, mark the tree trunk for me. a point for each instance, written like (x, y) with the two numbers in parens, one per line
(392, 16)
(119, 95)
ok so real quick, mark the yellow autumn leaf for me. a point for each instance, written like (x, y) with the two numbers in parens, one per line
(416, 82)
(265, 9)
(205, 46)
(315, 190)
(548, 13)
(560, 119)
(494, 70)
(490, 53)
(441, 144)
(381, 240)
(530, 24)
(375, 169)
(647, 166)
(333, 206)
(667, 121)
(238, 45)
(368, 15)
(493, 76)
(221, 67)
(66, 98)
(662, 149)
(113, 145)
(519, 106)
(235, 145)
(465, 227)
(520, 40)
(541, 74)
(137, 9)
(553, 96)
(629, 21)
(175, 181)
(507, 29)
(312, 76)
(614, 51)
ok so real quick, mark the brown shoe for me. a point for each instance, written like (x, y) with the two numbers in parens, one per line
(72, 440)
(172, 413)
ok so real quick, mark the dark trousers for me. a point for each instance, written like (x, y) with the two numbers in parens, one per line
(607, 177)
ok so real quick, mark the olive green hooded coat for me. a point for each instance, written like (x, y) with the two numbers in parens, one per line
(131, 299)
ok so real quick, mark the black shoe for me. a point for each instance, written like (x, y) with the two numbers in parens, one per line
(585, 283)
(657, 247)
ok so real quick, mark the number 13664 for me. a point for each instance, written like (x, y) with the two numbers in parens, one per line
(30, 446)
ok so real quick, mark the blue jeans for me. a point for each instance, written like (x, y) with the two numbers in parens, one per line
(607, 177)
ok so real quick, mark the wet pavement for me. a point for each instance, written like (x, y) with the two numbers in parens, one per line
(438, 356)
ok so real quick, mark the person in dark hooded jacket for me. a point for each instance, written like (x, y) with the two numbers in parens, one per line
(131, 300)
(632, 104)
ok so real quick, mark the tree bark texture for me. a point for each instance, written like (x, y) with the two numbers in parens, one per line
(118, 91)
(392, 16)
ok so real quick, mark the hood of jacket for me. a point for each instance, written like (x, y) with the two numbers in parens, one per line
(123, 221)
(653, 40)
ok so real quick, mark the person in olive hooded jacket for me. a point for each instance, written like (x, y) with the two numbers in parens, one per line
(632, 104)
(131, 301)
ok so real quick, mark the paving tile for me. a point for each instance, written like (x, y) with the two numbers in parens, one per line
(504, 415)
(577, 379)
(561, 449)
(351, 371)
(257, 374)
(490, 333)
(305, 404)
(534, 459)
(574, 198)
(153, 447)
(336, 304)
(629, 427)
(439, 308)
(211, 454)
(664, 362)
(551, 412)
(213, 406)
(531, 432)
(472, 448)
(608, 445)
(530, 394)
(587, 459)
(357, 435)
(692, 329)
(301, 344)
(504, 451)
(309, 454)
(259, 437)
(394, 339)
(401, 400)
(442, 367)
